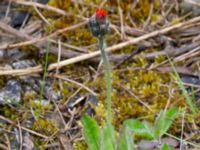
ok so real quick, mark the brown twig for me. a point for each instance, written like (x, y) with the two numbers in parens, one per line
(46, 7)
(23, 128)
(40, 40)
(74, 82)
(3, 147)
(13, 31)
(7, 141)
(148, 20)
(20, 135)
(75, 48)
(41, 16)
(121, 21)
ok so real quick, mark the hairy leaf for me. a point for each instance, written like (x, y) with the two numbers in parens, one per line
(91, 132)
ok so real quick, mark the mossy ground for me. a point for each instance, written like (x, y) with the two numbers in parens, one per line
(152, 87)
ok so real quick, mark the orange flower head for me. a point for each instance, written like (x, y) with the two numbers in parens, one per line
(101, 14)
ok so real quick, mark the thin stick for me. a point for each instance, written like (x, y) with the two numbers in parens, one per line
(20, 135)
(18, 72)
(146, 23)
(121, 21)
(41, 16)
(184, 141)
(8, 9)
(46, 7)
(8, 141)
(43, 39)
(23, 128)
(182, 130)
(79, 49)
(13, 31)
(74, 82)
(3, 147)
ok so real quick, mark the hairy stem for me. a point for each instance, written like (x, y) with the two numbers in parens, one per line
(108, 77)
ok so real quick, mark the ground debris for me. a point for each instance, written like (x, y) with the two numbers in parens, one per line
(51, 73)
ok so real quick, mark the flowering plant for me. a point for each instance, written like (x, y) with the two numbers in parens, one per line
(99, 24)
(99, 28)
(104, 137)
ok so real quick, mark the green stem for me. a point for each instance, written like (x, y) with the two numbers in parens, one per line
(108, 77)
(45, 69)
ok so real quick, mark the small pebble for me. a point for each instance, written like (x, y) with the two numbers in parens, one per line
(24, 64)
(190, 6)
(11, 93)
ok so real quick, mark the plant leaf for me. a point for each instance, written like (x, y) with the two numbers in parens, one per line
(188, 99)
(166, 147)
(158, 127)
(108, 139)
(169, 118)
(126, 140)
(91, 132)
(164, 122)
(139, 129)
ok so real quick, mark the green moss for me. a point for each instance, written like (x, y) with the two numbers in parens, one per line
(159, 59)
(3, 80)
(139, 13)
(38, 108)
(44, 126)
(10, 112)
(81, 36)
(80, 145)
(148, 85)
(62, 4)
(39, 143)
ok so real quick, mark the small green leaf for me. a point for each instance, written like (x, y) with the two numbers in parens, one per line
(150, 129)
(126, 140)
(166, 147)
(188, 99)
(139, 129)
(159, 125)
(108, 139)
(169, 118)
(164, 122)
(91, 132)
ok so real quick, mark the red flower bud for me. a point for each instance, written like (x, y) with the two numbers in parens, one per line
(99, 24)
(101, 14)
